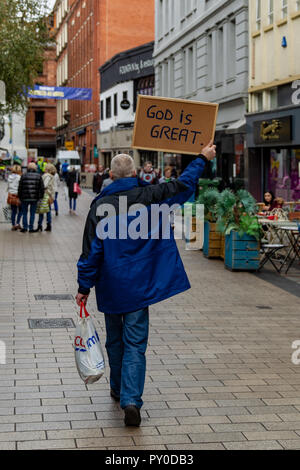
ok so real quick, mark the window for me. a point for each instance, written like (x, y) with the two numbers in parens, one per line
(273, 98)
(116, 104)
(258, 14)
(108, 108)
(220, 74)
(231, 49)
(284, 8)
(102, 110)
(209, 61)
(39, 118)
(271, 12)
(259, 102)
(190, 70)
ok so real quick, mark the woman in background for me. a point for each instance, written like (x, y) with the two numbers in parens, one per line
(12, 199)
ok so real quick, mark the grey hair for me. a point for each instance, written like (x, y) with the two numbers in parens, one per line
(122, 166)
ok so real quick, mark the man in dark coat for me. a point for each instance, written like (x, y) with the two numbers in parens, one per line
(31, 190)
(131, 257)
(98, 179)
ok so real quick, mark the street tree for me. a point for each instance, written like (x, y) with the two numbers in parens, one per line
(24, 34)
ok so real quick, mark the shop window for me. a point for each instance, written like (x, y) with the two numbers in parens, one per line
(39, 118)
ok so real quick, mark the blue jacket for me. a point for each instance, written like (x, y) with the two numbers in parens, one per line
(130, 274)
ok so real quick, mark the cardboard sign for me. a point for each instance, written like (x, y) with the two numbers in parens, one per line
(171, 125)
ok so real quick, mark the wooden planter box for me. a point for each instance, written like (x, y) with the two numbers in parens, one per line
(212, 241)
(222, 254)
(241, 253)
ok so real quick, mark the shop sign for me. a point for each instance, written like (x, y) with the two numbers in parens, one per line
(270, 131)
(69, 145)
(125, 104)
(172, 125)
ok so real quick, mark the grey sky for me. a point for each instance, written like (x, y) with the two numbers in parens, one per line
(51, 3)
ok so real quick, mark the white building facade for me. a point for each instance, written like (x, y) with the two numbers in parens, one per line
(201, 53)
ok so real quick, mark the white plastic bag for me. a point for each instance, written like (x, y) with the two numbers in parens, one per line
(88, 352)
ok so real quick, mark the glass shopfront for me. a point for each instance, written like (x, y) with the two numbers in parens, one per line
(282, 173)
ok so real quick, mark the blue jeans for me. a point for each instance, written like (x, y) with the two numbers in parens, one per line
(55, 202)
(126, 344)
(25, 206)
(15, 213)
(74, 204)
(41, 218)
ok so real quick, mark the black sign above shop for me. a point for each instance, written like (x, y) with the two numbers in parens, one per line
(128, 65)
(273, 131)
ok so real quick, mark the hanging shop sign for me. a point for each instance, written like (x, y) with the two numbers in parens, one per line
(173, 125)
(69, 145)
(125, 104)
(60, 93)
(278, 130)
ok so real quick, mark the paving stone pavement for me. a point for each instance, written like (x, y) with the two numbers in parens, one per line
(219, 369)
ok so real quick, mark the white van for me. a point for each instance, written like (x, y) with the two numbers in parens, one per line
(71, 157)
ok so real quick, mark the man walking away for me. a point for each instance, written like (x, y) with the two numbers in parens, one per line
(131, 273)
(31, 189)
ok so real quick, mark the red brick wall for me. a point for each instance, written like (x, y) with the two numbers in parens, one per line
(46, 134)
(114, 26)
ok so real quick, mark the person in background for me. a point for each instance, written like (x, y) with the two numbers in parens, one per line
(64, 170)
(167, 175)
(72, 177)
(148, 174)
(12, 199)
(57, 166)
(107, 181)
(56, 189)
(48, 180)
(269, 201)
(98, 179)
(279, 203)
(30, 191)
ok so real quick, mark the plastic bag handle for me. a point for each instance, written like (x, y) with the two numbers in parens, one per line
(82, 307)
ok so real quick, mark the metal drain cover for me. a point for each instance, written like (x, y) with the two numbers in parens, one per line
(54, 297)
(48, 323)
(263, 307)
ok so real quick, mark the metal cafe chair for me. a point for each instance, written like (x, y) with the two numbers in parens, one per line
(268, 252)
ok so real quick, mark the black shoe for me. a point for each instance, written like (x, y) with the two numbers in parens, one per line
(48, 228)
(114, 395)
(23, 230)
(132, 416)
(32, 231)
(56, 213)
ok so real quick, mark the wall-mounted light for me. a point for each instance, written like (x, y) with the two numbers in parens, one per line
(284, 42)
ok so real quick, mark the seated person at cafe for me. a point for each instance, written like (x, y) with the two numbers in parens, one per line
(279, 203)
(269, 202)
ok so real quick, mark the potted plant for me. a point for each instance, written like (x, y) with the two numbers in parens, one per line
(212, 238)
(238, 222)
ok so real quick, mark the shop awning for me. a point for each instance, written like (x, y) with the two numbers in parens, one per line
(235, 127)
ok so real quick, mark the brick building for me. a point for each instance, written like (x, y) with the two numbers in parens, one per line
(97, 30)
(41, 114)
